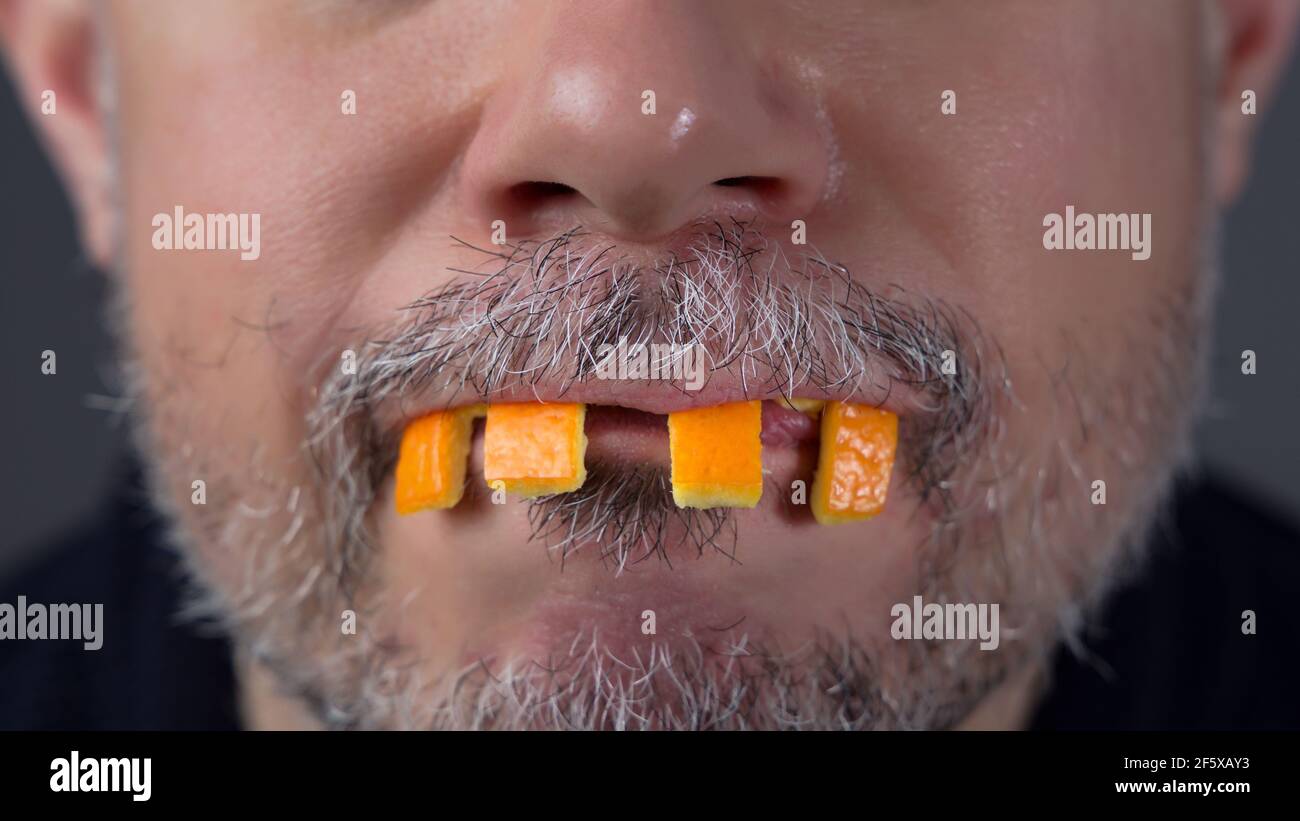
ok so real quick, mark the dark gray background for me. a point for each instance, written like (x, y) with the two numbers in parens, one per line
(59, 443)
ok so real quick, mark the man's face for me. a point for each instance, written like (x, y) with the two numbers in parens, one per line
(380, 141)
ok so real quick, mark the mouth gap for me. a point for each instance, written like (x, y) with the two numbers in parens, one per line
(616, 416)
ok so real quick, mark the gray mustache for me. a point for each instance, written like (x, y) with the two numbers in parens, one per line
(548, 313)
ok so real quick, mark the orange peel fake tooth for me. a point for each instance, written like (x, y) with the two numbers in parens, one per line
(432, 458)
(535, 449)
(858, 443)
(717, 455)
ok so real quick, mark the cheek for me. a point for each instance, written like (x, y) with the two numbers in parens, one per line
(246, 118)
(239, 152)
(250, 116)
(1076, 129)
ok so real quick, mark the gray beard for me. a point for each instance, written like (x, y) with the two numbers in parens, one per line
(1013, 527)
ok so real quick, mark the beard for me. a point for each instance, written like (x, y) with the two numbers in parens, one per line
(285, 546)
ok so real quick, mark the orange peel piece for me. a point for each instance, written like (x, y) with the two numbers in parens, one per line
(535, 449)
(431, 460)
(717, 455)
(858, 443)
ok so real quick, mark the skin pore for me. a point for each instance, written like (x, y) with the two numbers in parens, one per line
(924, 228)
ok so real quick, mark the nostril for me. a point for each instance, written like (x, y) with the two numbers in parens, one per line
(765, 189)
(764, 186)
(536, 192)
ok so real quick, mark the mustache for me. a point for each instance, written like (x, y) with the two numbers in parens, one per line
(534, 317)
(543, 311)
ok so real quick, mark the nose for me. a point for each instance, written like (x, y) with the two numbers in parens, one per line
(638, 117)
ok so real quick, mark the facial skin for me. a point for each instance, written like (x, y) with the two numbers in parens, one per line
(1076, 366)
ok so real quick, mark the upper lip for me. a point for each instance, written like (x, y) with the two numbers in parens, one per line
(651, 397)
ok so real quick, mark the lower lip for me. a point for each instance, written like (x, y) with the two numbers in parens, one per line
(617, 614)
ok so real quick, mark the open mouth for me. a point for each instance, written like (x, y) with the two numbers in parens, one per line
(715, 452)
